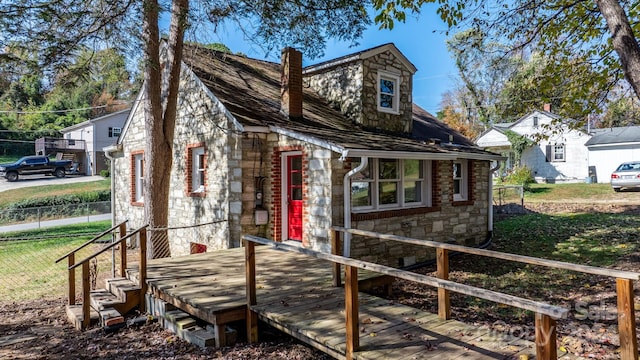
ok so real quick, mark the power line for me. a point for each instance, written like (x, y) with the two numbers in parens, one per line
(60, 111)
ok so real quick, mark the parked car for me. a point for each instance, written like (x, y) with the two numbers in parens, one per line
(34, 165)
(627, 175)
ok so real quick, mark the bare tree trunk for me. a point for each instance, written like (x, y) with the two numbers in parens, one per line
(624, 40)
(160, 100)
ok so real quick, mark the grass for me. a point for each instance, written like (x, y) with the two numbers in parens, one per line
(11, 196)
(27, 266)
(545, 192)
(5, 159)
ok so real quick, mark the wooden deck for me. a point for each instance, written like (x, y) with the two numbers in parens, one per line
(295, 295)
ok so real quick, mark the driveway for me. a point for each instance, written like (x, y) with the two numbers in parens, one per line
(42, 180)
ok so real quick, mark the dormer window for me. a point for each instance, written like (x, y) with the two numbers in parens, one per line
(388, 92)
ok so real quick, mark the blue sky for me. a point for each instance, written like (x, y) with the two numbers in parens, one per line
(421, 39)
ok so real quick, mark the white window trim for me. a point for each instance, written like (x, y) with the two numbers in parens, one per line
(196, 168)
(464, 181)
(374, 185)
(553, 153)
(116, 131)
(395, 108)
(139, 179)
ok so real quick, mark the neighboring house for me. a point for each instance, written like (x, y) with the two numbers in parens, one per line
(558, 153)
(285, 153)
(610, 147)
(96, 134)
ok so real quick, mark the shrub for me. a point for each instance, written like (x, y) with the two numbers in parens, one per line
(105, 173)
(520, 175)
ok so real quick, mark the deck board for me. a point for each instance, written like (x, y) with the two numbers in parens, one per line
(295, 294)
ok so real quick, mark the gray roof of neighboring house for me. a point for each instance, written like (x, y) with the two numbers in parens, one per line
(250, 90)
(616, 135)
(91, 121)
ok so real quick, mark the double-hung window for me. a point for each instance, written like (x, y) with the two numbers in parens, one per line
(114, 131)
(391, 184)
(138, 178)
(196, 160)
(558, 152)
(460, 181)
(388, 92)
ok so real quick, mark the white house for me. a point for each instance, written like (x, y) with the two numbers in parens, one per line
(96, 134)
(559, 153)
(609, 147)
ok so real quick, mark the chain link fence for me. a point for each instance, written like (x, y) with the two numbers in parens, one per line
(508, 199)
(37, 215)
(28, 268)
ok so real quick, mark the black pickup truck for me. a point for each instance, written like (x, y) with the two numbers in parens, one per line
(34, 165)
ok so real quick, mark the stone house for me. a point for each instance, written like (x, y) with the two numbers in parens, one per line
(285, 152)
(558, 153)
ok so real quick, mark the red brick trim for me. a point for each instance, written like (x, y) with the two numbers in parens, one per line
(132, 178)
(276, 190)
(393, 213)
(189, 170)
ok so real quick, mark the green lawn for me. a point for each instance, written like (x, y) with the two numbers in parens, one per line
(27, 266)
(5, 159)
(16, 195)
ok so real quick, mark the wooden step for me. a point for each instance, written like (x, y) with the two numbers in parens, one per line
(103, 299)
(74, 314)
(126, 290)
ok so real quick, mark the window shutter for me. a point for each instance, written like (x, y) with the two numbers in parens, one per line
(548, 153)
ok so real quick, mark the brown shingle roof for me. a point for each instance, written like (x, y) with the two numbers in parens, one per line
(250, 90)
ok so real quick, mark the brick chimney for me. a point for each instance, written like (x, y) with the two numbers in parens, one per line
(546, 107)
(291, 83)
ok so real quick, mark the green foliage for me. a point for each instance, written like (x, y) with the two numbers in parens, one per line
(521, 175)
(105, 173)
(519, 143)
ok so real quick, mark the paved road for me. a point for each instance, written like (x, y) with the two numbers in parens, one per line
(42, 180)
(52, 223)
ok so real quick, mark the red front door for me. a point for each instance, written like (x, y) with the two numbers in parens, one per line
(294, 197)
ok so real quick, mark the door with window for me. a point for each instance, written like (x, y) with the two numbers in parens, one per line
(293, 197)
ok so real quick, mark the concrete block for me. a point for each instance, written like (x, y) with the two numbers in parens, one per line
(198, 336)
(185, 323)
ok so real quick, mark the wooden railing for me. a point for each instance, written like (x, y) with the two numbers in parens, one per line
(86, 285)
(544, 320)
(545, 314)
(71, 257)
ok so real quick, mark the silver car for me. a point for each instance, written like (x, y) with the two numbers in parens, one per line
(627, 175)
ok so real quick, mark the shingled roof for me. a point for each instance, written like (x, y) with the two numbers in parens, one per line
(250, 90)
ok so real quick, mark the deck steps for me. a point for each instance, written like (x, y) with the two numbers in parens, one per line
(108, 306)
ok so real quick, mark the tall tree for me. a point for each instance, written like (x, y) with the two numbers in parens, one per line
(601, 33)
(56, 27)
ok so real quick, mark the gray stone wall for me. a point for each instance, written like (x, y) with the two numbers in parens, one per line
(380, 120)
(213, 219)
(342, 88)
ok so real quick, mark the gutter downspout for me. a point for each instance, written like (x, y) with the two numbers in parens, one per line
(107, 154)
(490, 197)
(346, 245)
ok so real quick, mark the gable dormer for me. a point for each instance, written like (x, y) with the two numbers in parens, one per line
(372, 88)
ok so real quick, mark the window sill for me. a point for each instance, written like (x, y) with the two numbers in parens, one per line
(373, 215)
(137, 203)
(389, 111)
(197, 194)
(462, 202)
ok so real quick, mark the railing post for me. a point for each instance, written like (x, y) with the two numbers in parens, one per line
(444, 304)
(351, 311)
(250, 272)
(545, 338)
(142, 236)
(72, 279)
(123, 249)
(86, 296)
(626, 320)
(335, 250)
